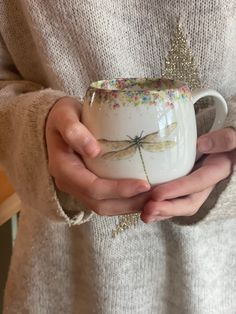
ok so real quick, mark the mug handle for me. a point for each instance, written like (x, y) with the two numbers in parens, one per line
(221, 108)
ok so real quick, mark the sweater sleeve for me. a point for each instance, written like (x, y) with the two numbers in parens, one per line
(221, 203)
(24, 107)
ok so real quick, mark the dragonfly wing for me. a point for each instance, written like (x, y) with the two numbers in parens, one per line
(151, 138)
(155, 136)
(113, 145)
(158, 147)
(121, 154)
(168, 129)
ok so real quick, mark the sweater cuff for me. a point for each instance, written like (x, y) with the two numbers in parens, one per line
(71, 209)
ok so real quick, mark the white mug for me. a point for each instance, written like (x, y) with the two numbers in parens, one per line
(146, 128)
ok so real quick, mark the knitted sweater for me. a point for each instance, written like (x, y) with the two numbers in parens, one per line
(65, 259)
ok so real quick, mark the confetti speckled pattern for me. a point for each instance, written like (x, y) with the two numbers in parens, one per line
(138, 91)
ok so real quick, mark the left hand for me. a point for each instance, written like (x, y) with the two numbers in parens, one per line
(184, 196)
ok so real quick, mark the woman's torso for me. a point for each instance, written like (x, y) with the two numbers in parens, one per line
(66, 45)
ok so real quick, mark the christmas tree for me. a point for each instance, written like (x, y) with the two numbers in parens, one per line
(179, 64)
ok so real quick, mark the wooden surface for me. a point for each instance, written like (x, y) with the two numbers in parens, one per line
(9, 201)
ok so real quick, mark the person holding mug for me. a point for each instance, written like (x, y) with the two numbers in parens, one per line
(180, 255)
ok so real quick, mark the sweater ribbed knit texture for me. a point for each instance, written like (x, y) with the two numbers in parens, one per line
(71, 264)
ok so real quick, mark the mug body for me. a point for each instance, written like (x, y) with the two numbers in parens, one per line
(146, 128)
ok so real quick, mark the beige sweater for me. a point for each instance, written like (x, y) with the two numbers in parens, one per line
(61, 264)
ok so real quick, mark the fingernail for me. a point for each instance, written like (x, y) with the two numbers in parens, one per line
(142, 188)
(205, 144)
(90, 148)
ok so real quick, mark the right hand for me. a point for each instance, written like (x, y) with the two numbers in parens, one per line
(67, 141)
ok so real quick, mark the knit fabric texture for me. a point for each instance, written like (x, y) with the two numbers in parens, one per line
(65, 260)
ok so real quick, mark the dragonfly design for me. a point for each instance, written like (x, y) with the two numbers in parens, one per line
(118, 150)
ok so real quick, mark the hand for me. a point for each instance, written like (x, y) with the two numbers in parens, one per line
(67, 140)
(184, 196)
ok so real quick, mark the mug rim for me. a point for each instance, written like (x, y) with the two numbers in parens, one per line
(179, 85)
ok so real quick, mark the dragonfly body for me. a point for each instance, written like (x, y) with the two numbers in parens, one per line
(151, 142)
(118, 150)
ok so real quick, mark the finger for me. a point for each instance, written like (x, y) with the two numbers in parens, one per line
(114, 207)
(74, 133)
(223, 140)
(186, 206)
(149, 219)
(71, 175)
(214, 169)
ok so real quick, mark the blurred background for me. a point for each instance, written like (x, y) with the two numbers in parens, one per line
(9, 214)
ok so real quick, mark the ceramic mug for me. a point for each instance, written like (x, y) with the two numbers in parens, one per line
(146, 128)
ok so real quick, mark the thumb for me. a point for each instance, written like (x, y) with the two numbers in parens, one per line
(223, 140)
(73, 132)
